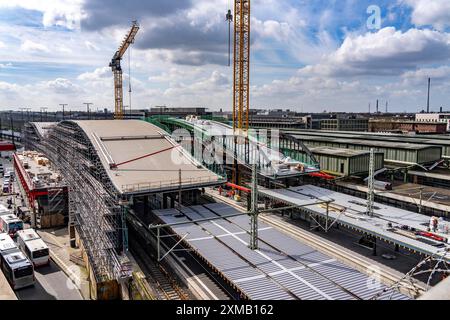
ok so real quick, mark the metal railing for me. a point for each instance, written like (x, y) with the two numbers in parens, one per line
(172, 184)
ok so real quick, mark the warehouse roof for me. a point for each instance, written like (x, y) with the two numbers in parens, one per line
(390, 137)
(338, 152)
(140, 157)
(379, 144)
(351, 211)
(282, 268)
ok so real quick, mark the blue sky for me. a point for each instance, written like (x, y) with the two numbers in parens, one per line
(306, 55)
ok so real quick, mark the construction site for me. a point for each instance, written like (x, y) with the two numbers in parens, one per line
(197, 208)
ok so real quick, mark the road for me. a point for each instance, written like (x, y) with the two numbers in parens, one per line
(51, 282)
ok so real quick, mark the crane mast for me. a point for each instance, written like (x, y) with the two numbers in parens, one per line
(117, 70)
(241, 76)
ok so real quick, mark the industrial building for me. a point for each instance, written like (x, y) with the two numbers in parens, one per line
(400, 153)
(177, 112)
(47, 194)
(434, 117)
(345, 124)
(346, 162)
(395, 125)
(442, 141)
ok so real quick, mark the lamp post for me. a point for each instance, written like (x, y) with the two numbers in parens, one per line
(88, 109)
(63, 105)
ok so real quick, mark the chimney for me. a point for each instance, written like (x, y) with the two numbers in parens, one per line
(377, 107)
(428, 100)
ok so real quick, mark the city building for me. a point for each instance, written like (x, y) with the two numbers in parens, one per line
(434, 117)
(177, 112)
(394, 125)
(346, 162)
(345, 124)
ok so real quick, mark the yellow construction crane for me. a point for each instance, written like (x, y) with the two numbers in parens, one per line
(117, 70)
(241, 73)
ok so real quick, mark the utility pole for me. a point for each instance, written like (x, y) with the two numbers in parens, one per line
(63, 105)
(371, 183)
(42, 110)
(179, 189)
(28, 113)
(421, 200)
(254, 212)
(88, 104)
(428, 99)
(22, 111)
(12, 126)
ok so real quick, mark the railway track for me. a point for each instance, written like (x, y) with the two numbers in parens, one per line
(159, 279)
(202, 282)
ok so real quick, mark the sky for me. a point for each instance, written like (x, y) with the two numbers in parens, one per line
(306, 55)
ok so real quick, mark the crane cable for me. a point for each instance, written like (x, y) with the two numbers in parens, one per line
(129, 77)
(229, 20)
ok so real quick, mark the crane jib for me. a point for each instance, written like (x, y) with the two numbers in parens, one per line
(117, 70)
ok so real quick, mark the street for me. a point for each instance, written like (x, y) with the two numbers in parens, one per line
(51, 282)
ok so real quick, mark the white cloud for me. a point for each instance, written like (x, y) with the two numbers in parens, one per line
(430, 12)
(66, 13)
(386, 52)
(7, 87)
(272, 29)
(91, 46)
(31, 46)
(61, 86)
(5, 65)
(442, 72)
(98, 74)
(38, 94)
(2, 45)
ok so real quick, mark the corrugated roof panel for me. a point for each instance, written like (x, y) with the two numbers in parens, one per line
(280, 265)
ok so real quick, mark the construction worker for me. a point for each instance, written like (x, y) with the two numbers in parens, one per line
(433, 224)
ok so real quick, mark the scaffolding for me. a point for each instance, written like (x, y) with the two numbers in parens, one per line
(96, 208)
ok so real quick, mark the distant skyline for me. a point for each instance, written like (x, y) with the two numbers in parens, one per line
(307, 56)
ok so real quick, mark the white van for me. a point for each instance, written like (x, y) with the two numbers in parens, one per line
(10, 224)
(16, 267)
(34, 247)
(4, 210)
